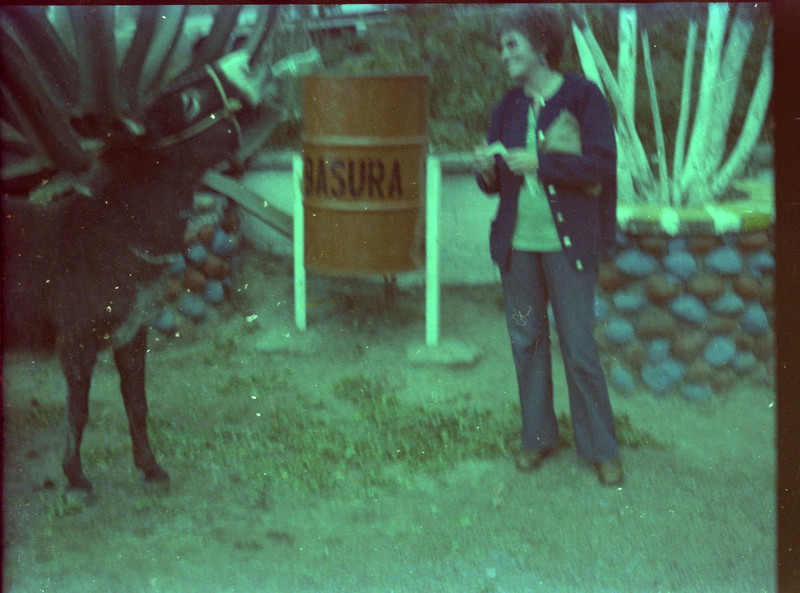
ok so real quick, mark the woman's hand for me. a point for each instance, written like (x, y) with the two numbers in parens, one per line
(522, 161)
(483, 159)
(483, 162)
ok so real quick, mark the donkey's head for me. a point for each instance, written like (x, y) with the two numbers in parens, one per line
(198, 115)
(151, 163)
(194, 123)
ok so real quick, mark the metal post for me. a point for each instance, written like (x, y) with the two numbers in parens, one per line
(432, 207)
(299, 245)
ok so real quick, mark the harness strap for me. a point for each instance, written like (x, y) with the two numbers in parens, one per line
(156, 260)
(229, 108)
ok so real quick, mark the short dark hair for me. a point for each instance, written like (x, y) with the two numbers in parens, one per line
(542, 25)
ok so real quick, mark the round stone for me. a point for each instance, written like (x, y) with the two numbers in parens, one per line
(654, 245)
(753, 241)
(601, 309)
(754, 320)
(729, 304)
(761, 262)
(165, 322)
(214, 292)
(694, 392)
(628, 301)
(747, 287)
(722, 379)
(609, 277)
(192, 306)
(663, 376)
(619, 331)
(658, 351)
(744, 341)
(178, 266)
(701, 245)
(196, 253)
(677, 244)
(698, 371)
(724, 260)
(719, 352)
(689, 309)
(222, 243)
(215, 267)
(681, 264)
(633, 262)
(661, 288)
(621, 379)
(744, 362)
(655, 323)
(194, 280)
(718, 325)
(205, 233)
(706, 286)
(634, 354)
(174, 287)
(688, 345)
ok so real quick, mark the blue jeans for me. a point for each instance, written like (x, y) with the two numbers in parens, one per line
(533, 280)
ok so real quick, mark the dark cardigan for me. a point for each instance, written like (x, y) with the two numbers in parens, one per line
(586, 224)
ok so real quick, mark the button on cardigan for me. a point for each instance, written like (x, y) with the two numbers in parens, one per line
(585, 220)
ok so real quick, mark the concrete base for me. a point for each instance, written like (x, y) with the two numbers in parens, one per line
(448, 352)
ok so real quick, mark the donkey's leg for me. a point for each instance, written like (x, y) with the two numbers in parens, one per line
(130, 360)
(77, 363)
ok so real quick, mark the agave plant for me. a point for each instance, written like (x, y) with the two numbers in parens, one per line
(703, 165)
(64, 62)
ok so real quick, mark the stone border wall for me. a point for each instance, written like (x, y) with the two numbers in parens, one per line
(686, 305)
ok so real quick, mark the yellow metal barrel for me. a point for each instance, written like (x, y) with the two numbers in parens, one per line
(365, 141)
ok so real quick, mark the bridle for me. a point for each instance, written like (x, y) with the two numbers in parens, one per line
(230, 105)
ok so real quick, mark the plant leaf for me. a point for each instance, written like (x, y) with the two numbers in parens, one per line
(131, 69)
(162, 48)
(48, 51)
(95, 41)
(40, 120)
(257, 41)
(213, 46)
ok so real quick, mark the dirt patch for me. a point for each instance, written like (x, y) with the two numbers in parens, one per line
(346, 467)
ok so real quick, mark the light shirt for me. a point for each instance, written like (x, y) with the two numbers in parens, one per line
(535, 229)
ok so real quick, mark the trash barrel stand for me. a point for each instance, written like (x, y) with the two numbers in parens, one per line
(367, 195)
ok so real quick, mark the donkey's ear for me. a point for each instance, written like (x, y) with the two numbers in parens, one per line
(110, 128)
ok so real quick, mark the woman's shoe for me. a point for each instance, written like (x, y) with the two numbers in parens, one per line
(527, 460)
(610, 472)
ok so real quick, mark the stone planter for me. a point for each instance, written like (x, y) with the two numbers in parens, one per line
(686, 305)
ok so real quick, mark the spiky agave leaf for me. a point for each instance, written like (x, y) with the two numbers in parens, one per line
(215, 44)
(29, 107)
(161, 52)
(130, 72)
(66, 62)
(255, 44)
(96, 44)
(50, 54)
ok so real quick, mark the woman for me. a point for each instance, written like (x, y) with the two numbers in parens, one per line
(551, 155)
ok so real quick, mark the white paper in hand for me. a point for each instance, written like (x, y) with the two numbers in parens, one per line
(497, 148)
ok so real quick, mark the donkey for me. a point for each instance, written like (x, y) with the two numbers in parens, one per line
(85, 273)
